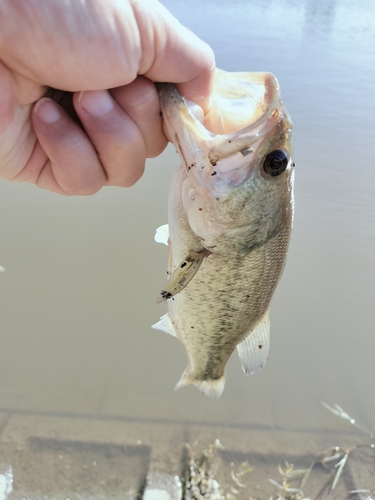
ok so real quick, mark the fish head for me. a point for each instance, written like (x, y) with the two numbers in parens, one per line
(237, 159)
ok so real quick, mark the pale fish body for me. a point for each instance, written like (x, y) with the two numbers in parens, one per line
(230, 219)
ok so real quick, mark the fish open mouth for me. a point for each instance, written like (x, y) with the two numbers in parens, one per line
(240, 102)
(244, 109)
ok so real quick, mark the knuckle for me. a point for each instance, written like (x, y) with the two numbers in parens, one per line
(138, 96)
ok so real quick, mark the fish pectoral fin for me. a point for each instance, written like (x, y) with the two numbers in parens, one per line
(184, 273)
(254, 349)
(165, 325)
(162, 234)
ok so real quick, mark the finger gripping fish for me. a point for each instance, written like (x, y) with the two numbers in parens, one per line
(230, 218)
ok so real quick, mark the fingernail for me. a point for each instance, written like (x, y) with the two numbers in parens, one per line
(204, 103)
(47, 110)
(195, 98)
(96, 102)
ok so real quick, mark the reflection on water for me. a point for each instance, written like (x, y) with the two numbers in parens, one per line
(78, 297)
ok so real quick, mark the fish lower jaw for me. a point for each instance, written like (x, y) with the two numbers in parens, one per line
(212, 388)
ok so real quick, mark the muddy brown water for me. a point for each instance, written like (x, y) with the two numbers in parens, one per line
(82, 274)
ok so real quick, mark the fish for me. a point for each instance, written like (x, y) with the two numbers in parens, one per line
(230, 217)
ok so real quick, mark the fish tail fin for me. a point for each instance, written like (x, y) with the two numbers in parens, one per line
(212, 387)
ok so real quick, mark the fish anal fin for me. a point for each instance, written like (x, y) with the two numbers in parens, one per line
(183, 274)
(162, 234)
(254, 349)
(212, 388)
(165, 325)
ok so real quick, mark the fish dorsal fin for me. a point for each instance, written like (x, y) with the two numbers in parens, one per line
(165, 325)
(183, 274)
(254, 349)
(162, 234)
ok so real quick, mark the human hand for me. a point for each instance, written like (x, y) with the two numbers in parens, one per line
(86, 48)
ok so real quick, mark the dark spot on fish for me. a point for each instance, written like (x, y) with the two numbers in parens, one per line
(200, 208)
(222, 291)
(192, 327)
(213, 173)
(260, 346)
(213, 163)
(293, 164)
(229, 142)
(217, 199)
(184, 264)
(161, 113)
(247, 296)
(165, 295)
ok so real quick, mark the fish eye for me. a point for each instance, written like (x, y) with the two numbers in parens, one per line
(276, 162)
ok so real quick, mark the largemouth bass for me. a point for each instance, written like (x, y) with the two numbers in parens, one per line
(230, 218)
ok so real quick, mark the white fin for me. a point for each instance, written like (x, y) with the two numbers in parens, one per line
(183, 274)
(2, 270)
(165, 325)
(254, 349)
(162, 234)
(212, 388)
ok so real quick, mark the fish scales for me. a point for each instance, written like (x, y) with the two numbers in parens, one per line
(231, 198)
